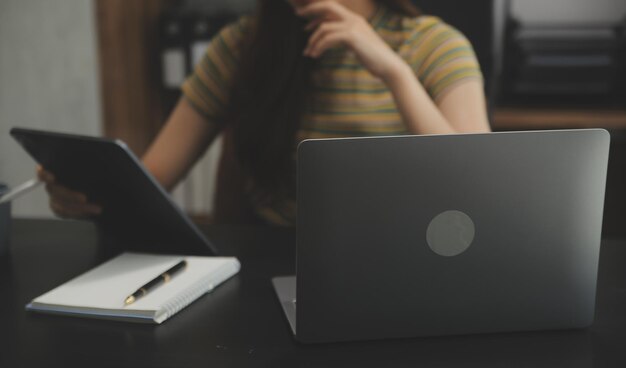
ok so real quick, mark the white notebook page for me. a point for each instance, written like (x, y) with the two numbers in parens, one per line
(108, 285)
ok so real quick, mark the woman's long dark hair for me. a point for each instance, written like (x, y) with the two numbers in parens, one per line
(270, 94)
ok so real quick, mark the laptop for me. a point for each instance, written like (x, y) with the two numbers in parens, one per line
(416, 236)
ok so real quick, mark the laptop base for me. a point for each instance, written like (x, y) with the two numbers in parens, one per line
(285, 288)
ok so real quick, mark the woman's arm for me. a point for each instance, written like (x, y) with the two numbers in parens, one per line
(184, 138)
(462, 109)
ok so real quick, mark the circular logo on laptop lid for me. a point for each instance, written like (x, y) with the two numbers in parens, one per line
(450, 233)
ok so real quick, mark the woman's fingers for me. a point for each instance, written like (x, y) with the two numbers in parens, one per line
(70, 204)
(44, 175)
(337, 25)
(313, 24)
(75, 211)
(320, 33)
(64, 202)
(328, 41)
(58, 191)
(334, 24)
(65, 195)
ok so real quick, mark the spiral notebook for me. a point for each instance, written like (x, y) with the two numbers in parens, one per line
(100, 292)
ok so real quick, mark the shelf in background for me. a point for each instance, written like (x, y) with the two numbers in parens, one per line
(531, 118)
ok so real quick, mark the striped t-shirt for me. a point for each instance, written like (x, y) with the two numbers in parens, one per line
(347, 101)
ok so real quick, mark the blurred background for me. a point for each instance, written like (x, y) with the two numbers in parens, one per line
(114, 68)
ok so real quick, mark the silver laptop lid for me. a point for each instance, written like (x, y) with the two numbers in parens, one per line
(436, 235)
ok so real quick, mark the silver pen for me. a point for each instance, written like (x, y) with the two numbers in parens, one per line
(20, 190)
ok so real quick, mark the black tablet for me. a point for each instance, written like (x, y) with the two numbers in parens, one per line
(138, 213)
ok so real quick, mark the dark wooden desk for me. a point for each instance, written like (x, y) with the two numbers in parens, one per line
(241, 324)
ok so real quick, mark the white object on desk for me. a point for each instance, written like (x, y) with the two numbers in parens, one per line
(100, 292)
(20, 190)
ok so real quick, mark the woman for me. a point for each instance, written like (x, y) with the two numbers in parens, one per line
(311, 69)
